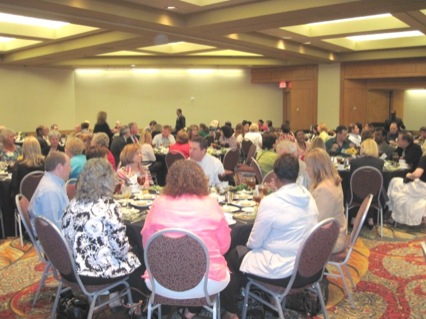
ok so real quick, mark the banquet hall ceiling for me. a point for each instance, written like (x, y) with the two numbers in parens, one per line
(210, 33)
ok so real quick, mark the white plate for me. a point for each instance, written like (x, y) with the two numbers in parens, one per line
(229, 209)
(145, 196)
(231, 221)
(243, 196)
(129, 211)
(244, 203)
(248, 209)
(141, 203)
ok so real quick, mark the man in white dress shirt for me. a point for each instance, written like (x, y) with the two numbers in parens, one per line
(211, 166)
(165, 139)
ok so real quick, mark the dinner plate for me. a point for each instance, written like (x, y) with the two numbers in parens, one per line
(141, 203)
(229, 209)
(243, 196)
(146, 196)
(248, 209)
(244, 203)
(231, 221)
(129, 211)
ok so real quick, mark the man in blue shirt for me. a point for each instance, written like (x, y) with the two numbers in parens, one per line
(50, 198)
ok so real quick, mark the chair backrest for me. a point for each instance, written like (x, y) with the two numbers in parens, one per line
(173, 156)
(257, 171)
(70, 187)
(57, 250)
(231, 158)
(359, 220)
(22, 204)
(29, 183)
(245, 146)
(269, 177)
(250, 154)
(366, 180)
(315, 252)
(177, 259)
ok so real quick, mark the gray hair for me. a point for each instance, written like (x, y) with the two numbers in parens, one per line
(286, 147)
(95, 181)
(54, 134)
(124, 130)
(74, 146)
(101, 139)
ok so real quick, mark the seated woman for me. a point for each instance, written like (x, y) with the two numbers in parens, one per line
(227, 139)
(185, 204)
(148, 156)
(369, 157)
(94, 217)
(131, 166)
(283, 221)
(254, 135)
(182, 143)
(266, 156)
(9, 152)
(407, 196)
(54, 137)
(32, 160)
(326, 188)
(74, 148)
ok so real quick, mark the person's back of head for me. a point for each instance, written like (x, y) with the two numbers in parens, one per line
(268, 141)
(285, 128)
(369, 148)
(53, 159)
(96, 152)
(101, 139)
(286, 147)
(74, 146)
(124, 130)
(318, 142)
(101, 118)
(286, 167)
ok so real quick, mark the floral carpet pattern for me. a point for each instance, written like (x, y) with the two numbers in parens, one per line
(389, 273)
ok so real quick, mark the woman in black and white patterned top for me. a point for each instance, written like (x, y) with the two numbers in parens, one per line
(93, 227)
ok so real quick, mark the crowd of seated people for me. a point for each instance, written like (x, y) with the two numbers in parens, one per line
(308, 190)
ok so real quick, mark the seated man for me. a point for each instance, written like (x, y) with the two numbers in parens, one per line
(50, 198)
(408, 150)
(211, 166)
(164, 139)
(392, 135)
(339, 144)
(385, 150)
(283, 221)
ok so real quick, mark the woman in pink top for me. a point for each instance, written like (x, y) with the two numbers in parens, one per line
(185, 204)
(182, 143)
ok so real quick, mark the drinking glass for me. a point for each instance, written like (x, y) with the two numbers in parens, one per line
(141, 180)
(251, 182)
(127, 193)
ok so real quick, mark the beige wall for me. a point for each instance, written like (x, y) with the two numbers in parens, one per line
(30, 97)
(44, 96)
(414, 109)
(329, 94)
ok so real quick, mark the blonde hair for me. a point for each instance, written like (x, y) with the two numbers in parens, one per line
(128, 152)
(322, 127)
(318, 142)
(369, 148)
(254, 128)
(31, 152)
(319, 162)
(74, 146)
(146, 137)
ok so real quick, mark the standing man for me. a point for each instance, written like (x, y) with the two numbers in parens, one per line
(180, 121)
(50, 198)
(211, 166)
(119, 142)
(134, 136)
(393, 118)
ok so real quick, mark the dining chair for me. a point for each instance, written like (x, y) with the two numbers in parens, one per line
(230, 162)
(341, 259)
(70, 187)
(269, 177)
(366, 180)
(309, 266)
(173, 156)
(250, 154)
(178, 260)
(57, 250)
(27, 188)
(245, 147)
(257, 171)
(22, 206)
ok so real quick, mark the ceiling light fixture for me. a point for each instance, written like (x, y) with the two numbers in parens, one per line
(385, 15)
(384, 36)
(11, 18)
(171, 7)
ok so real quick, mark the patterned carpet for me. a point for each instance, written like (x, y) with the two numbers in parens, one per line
(390, 275)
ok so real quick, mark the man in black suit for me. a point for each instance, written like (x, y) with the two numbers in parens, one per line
(408, 150)
(134, 137)
(393, 118)
(119, 142)
(180, 121)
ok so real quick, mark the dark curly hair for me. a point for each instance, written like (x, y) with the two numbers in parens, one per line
(186, 177)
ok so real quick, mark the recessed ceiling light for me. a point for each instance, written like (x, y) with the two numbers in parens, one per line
(171, 7)
(385, 15)
(384, 36)
(11, 18)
